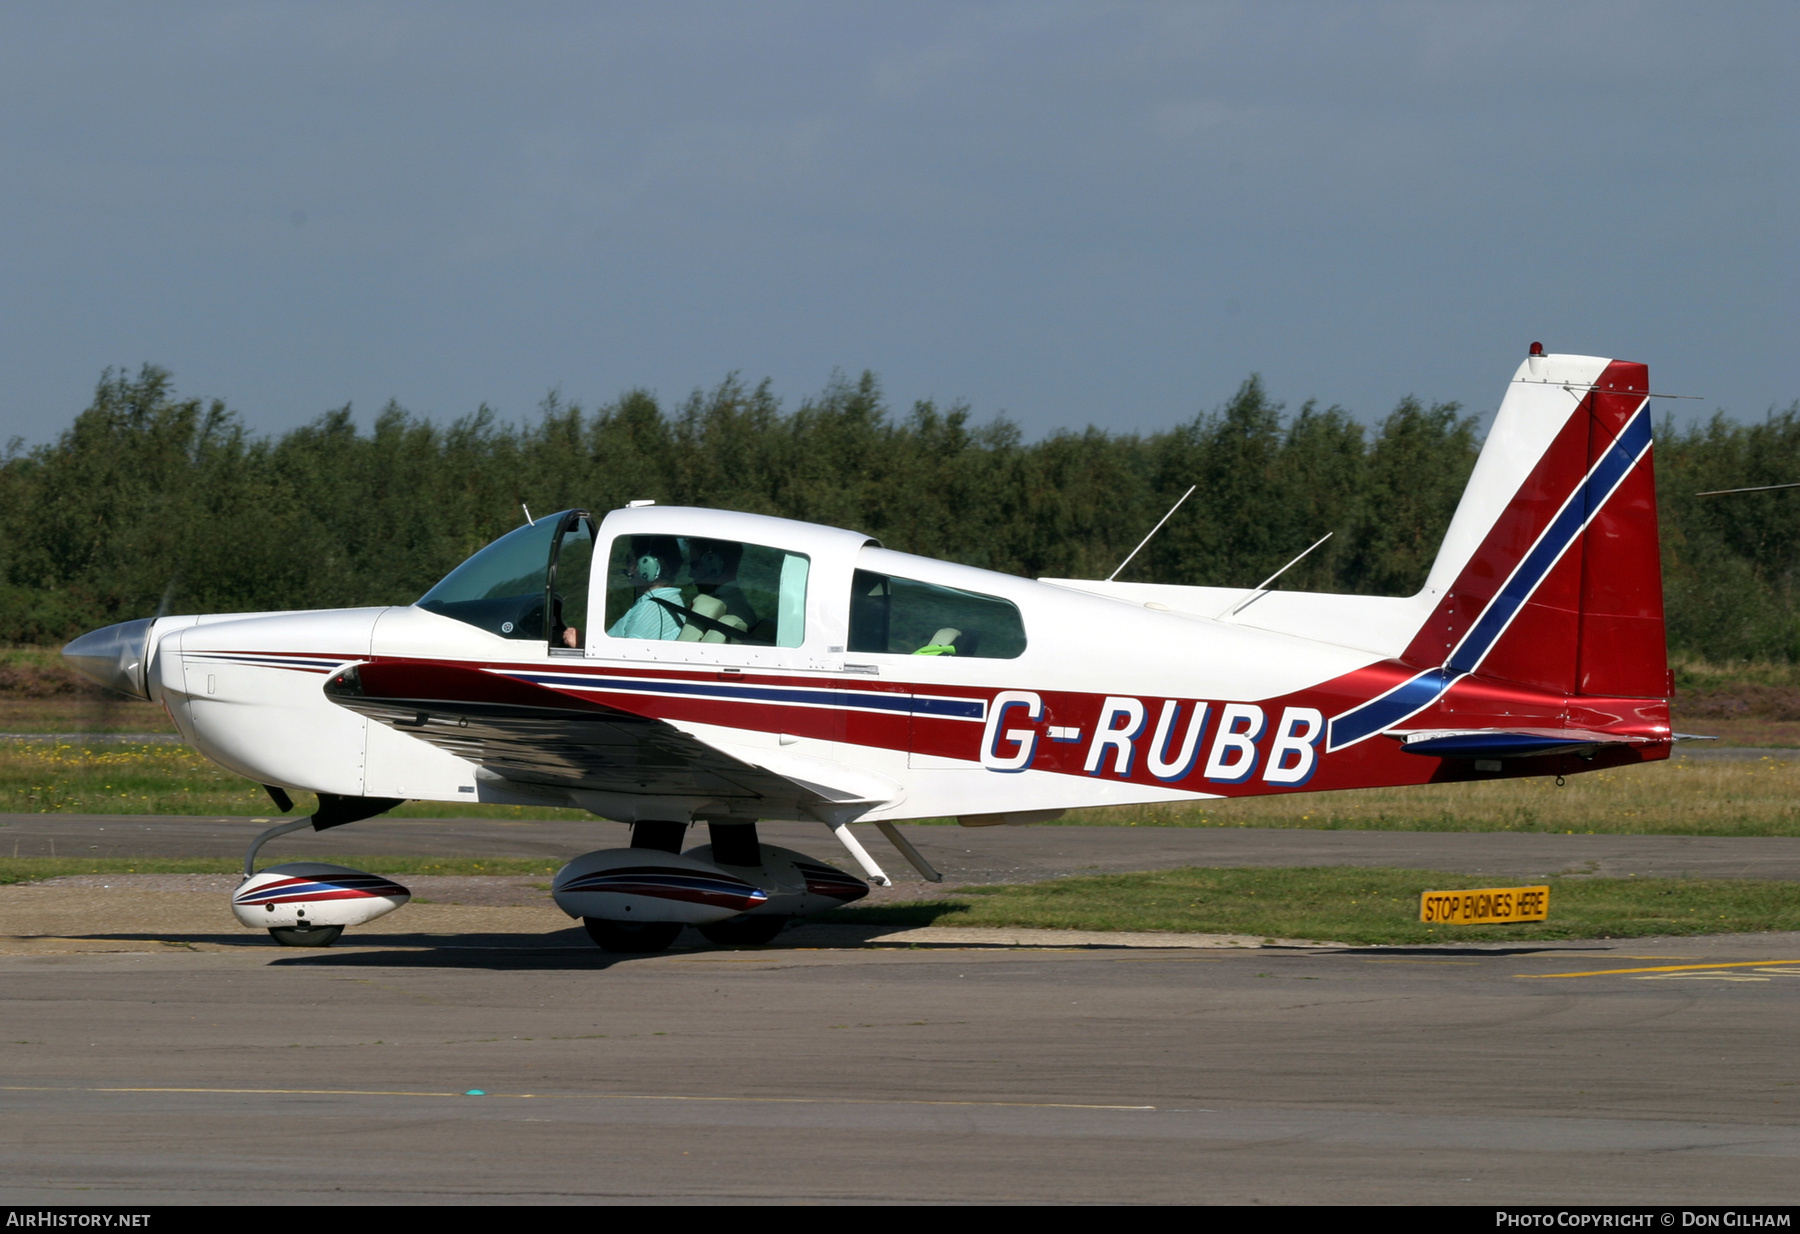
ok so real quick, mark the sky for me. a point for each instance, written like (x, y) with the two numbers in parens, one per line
(1067, 213)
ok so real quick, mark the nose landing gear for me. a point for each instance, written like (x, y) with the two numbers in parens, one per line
(308, 903)
(315, 936)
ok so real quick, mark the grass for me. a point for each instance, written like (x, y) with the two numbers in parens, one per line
(41, 694)
(1349, 905)
(1749, 797)
(1715, 797)
(72, 777)
(36, 869)
(1701, 675)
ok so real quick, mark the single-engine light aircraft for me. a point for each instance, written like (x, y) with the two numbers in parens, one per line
(662, 667)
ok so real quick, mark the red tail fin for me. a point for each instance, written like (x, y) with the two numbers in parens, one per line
(1564, 589)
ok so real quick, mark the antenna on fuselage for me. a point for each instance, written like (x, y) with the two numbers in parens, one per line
(528, 517)
(1262, 588)
(1165, 518)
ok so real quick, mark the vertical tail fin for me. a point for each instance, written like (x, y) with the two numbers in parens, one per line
(1550, 574)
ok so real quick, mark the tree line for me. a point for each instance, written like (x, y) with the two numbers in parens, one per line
(153, 501)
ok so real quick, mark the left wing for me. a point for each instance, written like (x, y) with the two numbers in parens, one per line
(532, 735)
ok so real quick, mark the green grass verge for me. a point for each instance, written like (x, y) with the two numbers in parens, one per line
(35, 869)
(1714, 797)
(1748, 797)
(67, 777)
(1345, 904)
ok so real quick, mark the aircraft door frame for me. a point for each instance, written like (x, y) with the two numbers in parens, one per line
(552, 627)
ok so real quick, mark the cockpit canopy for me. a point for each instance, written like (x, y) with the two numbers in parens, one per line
(681, 575)
(509, 587)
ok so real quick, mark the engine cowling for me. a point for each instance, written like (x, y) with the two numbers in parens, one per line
(309, 894)
(796, 885)
(646, 884)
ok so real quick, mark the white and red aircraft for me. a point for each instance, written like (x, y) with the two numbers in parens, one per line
(666, 666)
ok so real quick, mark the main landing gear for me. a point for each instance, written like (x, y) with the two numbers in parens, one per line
(737, 891)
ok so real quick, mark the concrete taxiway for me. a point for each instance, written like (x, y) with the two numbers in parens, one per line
(501, 1068)
(479, 1049)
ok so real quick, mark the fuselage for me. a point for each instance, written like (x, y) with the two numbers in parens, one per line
(1086, 694)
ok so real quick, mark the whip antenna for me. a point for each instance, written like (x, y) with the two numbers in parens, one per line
(1153, 531)
(1263, 587)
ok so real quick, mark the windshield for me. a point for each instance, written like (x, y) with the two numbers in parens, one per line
(501, 588)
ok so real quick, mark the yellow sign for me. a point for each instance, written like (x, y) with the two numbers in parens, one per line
(1485, 905)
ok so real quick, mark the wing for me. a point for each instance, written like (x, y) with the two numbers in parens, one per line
(531, 735)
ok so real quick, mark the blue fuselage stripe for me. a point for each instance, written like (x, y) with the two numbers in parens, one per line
(1390, 708)
(906, 704)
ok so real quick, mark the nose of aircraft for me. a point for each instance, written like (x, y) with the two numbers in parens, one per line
(113, 656)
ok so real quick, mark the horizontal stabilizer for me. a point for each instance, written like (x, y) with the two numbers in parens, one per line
(1509, 742)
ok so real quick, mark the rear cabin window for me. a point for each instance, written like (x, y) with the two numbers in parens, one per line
(904, 617)
(690, 589)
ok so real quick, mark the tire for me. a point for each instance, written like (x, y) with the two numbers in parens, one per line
(743, 931)
(314, 936)
(632, 937)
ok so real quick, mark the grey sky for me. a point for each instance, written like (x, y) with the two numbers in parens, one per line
(1068, 212)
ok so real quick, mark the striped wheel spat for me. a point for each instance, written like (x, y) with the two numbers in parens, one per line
(822, 880)
(671, 883)
(323, 887)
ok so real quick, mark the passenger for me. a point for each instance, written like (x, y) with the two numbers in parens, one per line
(654, 614)
(713, 565)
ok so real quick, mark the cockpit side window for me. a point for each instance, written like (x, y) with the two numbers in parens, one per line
(694, 589)
(501, 588)
(901, 616)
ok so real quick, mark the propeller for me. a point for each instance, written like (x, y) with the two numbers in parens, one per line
(114, 658)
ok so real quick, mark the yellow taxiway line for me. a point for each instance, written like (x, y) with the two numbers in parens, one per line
(1666, 968)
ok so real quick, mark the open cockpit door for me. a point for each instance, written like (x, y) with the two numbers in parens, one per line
(568, 584)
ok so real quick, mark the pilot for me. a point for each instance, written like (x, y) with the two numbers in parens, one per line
(654, 563)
